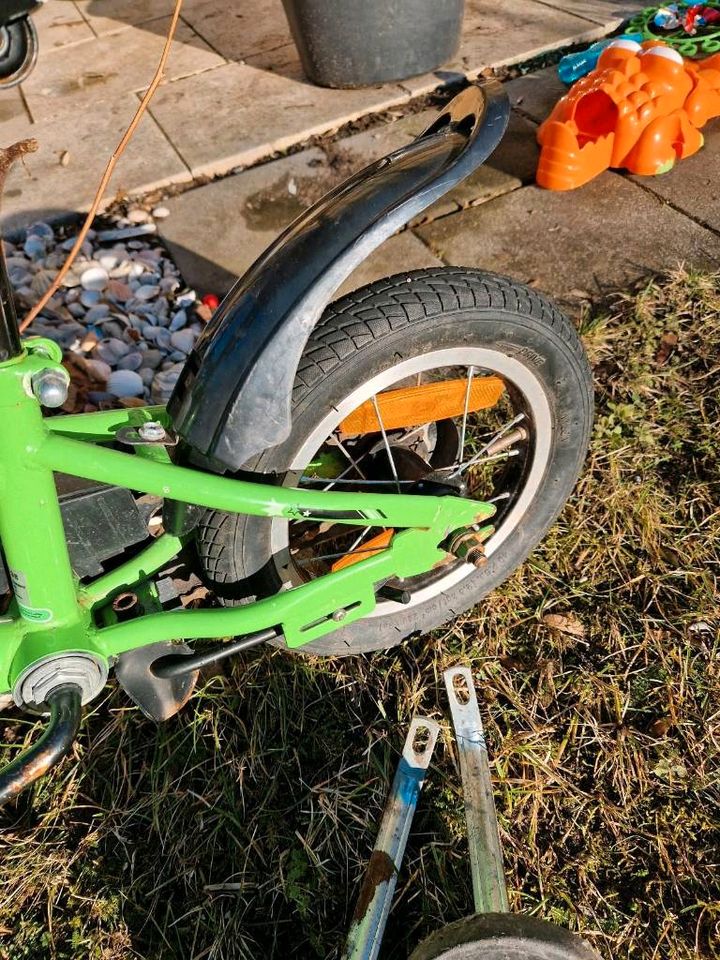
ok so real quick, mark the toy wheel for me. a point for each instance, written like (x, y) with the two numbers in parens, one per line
(18, 51)
(434, 372)
(503, 936)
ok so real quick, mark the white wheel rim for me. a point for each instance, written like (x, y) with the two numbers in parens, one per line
(512, 370)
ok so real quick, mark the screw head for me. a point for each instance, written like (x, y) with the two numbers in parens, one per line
(339, 615)
(51, 386)
(152, 430)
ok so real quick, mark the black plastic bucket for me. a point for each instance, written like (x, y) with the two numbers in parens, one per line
(357, 43)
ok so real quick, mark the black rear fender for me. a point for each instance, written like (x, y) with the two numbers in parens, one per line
(233, 398)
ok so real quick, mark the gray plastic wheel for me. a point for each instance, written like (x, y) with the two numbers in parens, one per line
(503, 936)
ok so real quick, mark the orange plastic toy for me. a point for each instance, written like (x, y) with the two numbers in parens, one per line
(641, 108)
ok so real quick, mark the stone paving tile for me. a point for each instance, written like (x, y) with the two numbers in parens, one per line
(217, 231)
(240, 31)
(110, 16)
(102, 69)
(256, 204)
(495, 35)
(60, 23)
(592, 240)
(399, 254)
(611, 13)
(518, 152)
(12, 111)
(241, 114)
(535, 94)
(44, 187)
(692, 186)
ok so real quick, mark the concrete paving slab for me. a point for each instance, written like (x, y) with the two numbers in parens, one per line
(44, 187)
(255, 205)
(496, 35)
(610, 13)
(110, 16)
(535, 94)
(105, 68)
(518, 152)
(12, 111)
(217, 231)
(692, 186)
(60, 23)
(237, 114)
(592, 240)
(240, 31)
(401, 253)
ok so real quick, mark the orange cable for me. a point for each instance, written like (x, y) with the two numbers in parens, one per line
(109, 170)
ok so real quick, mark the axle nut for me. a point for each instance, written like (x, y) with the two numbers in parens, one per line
(50, 386)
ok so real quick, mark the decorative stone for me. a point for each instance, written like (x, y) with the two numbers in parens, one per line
(183, 340)
(94, 278)
(98, 312)
(178, 321)
(125, 383)
(88, 298)
(131, 361)
(147, 292)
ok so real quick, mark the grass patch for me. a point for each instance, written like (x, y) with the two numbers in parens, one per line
(239, 829)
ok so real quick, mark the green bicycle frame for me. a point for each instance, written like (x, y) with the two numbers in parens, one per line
(53, 613)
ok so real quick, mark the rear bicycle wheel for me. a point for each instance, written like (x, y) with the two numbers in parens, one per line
(450, 372)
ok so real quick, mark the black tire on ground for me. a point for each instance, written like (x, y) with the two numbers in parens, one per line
(503, 936)
(369, 331)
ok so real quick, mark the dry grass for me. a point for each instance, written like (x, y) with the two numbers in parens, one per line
(239, 829)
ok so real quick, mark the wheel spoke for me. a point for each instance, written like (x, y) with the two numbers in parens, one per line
(471, 374)
(480, 455)
(353, 463)
(386, 442)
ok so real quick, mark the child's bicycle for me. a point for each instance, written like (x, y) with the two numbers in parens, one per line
(344, 476)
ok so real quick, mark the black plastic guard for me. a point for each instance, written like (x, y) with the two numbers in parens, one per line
(232, 400)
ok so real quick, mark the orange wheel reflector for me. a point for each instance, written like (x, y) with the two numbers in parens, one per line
(412, 406)
(367, 549)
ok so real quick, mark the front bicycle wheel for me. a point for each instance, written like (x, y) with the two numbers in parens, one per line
(448, 374)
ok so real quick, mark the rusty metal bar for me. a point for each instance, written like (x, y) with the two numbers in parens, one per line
(486, 861)
(373, 906)
(65, 713)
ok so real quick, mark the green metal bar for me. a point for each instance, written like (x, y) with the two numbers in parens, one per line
(241, 496)
(160, 552)
(31, 528)
(303, 613)
(104, 424)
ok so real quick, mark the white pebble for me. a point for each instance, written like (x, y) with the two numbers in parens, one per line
(94, 278)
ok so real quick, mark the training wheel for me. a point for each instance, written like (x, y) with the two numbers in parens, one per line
(503, 936)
